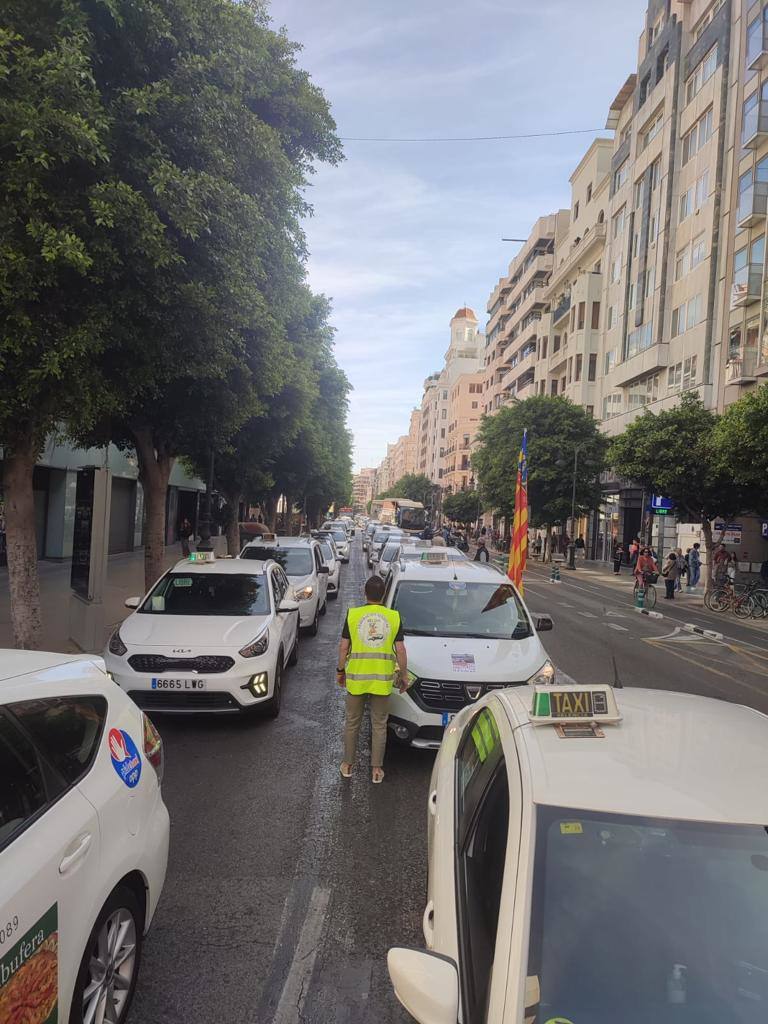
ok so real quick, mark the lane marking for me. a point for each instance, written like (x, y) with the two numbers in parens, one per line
(588, 615)
(615, 625)
(295, 988)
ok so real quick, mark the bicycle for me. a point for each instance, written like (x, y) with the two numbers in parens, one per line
(726, 598)
(649, 591)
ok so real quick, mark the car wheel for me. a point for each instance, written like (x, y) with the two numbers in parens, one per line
(106, 980)
(324, 609)
(294, 658)
(271, 708)
(312, 630)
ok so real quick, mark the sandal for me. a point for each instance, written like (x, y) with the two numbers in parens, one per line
(346, 770)
(377, 776)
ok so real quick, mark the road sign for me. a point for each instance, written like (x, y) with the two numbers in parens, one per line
(661, 505)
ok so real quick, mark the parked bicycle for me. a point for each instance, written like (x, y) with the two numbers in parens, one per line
(740, 600)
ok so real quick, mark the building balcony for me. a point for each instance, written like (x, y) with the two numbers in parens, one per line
(757, 49)
(740, 368)
(747, 285)
(752, 205)
(655, 357)
(755, 130)
(540, 265)
(561, 310)
(583, 253)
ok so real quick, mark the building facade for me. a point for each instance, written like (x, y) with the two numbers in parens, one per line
(362, 489)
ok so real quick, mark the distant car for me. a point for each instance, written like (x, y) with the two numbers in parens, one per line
(368, 533)
(594, 856)
(467, 631)
(379, 539)
(332, 559)
(83, 839)
(303, 564)
(388, 554)
(411, 551)
(340, 537)
(209, 636)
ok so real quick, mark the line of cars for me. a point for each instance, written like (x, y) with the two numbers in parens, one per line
(84, 830)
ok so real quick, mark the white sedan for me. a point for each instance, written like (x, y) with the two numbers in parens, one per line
(212, 635)
(595, 863)
(332, 559)
(83, 840)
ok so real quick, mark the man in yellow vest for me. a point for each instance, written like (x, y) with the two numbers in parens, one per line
(371, 656)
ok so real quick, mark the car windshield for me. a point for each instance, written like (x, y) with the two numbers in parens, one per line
(328, 554)
(383, 536)
(389, 551)
(208, 593)
(295, 561)
(457, 608)
(647, 921)
(339, 535)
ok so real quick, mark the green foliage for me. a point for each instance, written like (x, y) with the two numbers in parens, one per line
(675, 453)
(462, 507)
(741, 443)
(556, 427)
(414, 486)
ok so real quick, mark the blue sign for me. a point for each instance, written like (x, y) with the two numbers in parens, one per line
(764, 530)
(657, 503)
(126, 759)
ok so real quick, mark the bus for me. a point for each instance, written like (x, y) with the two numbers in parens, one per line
(409, 515)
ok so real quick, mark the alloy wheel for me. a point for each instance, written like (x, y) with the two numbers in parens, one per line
(110, 970)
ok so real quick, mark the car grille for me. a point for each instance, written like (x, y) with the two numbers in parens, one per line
(204, 664)
(163, 700)
(439, 695)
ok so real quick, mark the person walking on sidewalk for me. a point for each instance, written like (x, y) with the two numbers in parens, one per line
(694, 566)
(371, 658)
(671, 574)
(482, 551)
(680, 569)
(618, 558)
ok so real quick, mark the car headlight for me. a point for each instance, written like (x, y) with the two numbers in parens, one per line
(116, 645)
(304, 592)
(544, 676)
(256, 647)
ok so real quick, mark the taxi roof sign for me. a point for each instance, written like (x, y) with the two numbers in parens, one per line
(434, 556)
(202, 556)
(572, 703)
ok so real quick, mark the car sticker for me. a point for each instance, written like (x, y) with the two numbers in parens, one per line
(571, 828)
(182, 581)
(463, 662)
(126, 759)
(29, 974)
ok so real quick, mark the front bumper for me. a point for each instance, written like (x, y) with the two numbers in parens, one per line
(223, 693)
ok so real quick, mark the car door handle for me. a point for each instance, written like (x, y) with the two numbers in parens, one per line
(432, 802)
(428, 923)
(81, 848)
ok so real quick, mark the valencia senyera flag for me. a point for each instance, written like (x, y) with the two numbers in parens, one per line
(518, 550)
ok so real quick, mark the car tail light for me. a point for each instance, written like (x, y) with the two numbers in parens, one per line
(153, 748)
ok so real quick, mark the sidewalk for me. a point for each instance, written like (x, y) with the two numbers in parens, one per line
(125, 578)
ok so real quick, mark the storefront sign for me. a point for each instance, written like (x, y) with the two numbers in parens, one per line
(728, 533)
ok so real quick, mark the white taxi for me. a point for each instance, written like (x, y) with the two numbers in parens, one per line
(467, 631)
(303, 563)
(83, 840)
(595, 856)
(340, 536)
(332, 559)
(211, 635)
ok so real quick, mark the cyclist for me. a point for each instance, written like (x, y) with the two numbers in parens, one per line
(645, 566)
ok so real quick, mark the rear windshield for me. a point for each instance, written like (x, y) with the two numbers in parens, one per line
(325, 547)
(208, 594)
(295, 561)
(456, 608)
(389, 551)
(339, 534)
(384, 535)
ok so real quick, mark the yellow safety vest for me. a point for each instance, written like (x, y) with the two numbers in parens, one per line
(371, 665)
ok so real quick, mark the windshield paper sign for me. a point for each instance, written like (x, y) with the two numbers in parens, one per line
(463, 662)
(125, 757)
(29, 974)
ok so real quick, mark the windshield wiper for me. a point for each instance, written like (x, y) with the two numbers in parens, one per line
(418, 632)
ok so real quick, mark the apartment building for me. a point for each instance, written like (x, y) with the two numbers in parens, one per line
(362, 488)
(464, 402)
(568, 355)
(518, 317)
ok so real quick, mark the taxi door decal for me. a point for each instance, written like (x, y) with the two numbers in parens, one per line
(29, 974)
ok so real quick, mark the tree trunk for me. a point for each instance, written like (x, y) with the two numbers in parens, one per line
(547, 553)
(155, 467)
(270, 512)
(709, 547)
(288, 514)
(233, 525)
(23, 580)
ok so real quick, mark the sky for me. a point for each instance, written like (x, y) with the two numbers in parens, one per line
(403, 234)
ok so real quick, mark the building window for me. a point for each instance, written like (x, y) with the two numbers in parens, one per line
(678, 320)
(689, 372)
(570, 369)
(591, 411)
(750, 119)
(595, 316)
(645, 88)
(589, 192)
(611, 318)
(617, 225)
(650, 280)
(474, 405)
(612, 406)
(582, 315)
(620, 176)
(694, 312)
(704, 71)
(609, 361)
(576, 210)
(698, 250)
(655, 174)
(543, 351)
(686, 202)
(592, 370)
(682, 263)
(631, 302)
(638, 193)
(652, 129)
(756, 32)
(615, 270)
(556, 343)
(698, 136)
(702, 189)
(579, 364)
(444, 414)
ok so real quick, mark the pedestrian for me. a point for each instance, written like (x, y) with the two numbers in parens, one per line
(634, 553)
(372, 659)
(426, 533)
(732, 567)
(537, 546)
(581, 547)
(185, 532)
(720, 562)
(680, 569)
(618, 558)
(482, 551)
(694, 566)
(671, 574)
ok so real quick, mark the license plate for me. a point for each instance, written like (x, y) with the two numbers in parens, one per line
(448, 717)
(178, 684)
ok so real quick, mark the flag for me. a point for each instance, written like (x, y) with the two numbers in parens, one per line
(518, 550)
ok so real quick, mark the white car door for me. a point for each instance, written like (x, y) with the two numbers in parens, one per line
(322, 577)
(49, 869)
(284, 623)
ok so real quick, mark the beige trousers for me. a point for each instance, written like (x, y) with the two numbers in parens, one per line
(354, 716)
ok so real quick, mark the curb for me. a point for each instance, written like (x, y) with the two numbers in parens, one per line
(652, 615)
(711, 634)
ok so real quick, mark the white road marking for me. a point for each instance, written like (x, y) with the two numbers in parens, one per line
(616, 615)
(295, 988)
(588, 615)
(615, 625)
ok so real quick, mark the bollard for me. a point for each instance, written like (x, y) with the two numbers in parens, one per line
(639, 598)
(554, 576)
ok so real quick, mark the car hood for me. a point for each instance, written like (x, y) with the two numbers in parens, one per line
(191, 631)
(486, 661)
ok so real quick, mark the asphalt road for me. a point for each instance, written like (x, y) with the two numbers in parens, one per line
(286, 885)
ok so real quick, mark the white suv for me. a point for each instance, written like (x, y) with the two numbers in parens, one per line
(83, 839)
(303, 563)
(467, 631)
(212, 635)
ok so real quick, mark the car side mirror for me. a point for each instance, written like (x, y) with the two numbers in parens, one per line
(427, 984)
(544, 623)
(132, 602)
(323, 570)
(287, 605)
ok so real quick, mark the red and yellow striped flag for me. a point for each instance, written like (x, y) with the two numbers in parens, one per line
(518, 550)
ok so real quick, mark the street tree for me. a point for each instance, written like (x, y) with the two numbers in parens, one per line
(741, 442)
(675, 453)
(462, 507)
(414, 486)
(560, 434)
